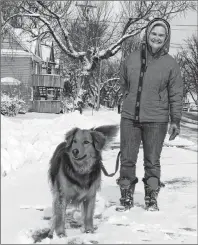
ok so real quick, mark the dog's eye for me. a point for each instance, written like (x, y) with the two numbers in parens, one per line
(74, 141)
(86, 142)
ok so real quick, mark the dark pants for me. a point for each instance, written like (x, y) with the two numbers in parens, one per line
(152, 136)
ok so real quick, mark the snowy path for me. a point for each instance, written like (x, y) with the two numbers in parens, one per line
(26, 190)
(175, 223)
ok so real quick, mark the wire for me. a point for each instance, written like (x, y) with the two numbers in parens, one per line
(185, 25)
(122, 22)
(179, 44)
(183, 30)
(175, 47)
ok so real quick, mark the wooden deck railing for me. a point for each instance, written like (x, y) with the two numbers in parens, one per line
(47, 80)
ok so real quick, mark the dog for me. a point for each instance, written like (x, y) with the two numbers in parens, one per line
(75, 174)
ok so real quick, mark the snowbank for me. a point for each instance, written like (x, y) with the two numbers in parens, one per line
(28, 140)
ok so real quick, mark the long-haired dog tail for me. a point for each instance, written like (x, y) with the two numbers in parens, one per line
(109, 131)
(55, 162)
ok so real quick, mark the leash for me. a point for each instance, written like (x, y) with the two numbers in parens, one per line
(116, 167)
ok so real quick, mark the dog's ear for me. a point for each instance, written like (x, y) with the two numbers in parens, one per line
(69, 136)
(109, 131)
(98, 139)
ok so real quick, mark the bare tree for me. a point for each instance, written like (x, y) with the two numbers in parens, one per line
(193, 5)
(109, 84)
(53, 19)
(188, 60)
(88, 32)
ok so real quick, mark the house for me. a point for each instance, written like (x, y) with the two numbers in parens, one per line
(18, 61)
(38, 76)
(190, 101)
(191, 98)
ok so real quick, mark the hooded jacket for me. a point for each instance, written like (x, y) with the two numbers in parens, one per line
(151, 84)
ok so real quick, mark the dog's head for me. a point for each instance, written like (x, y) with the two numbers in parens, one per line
(86, 144)
(83, 145)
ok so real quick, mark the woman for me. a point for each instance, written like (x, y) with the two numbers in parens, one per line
(152, 92)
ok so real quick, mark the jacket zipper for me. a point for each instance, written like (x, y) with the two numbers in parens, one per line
(140, 87)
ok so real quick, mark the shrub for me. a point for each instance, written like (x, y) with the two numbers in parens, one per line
(11, 106)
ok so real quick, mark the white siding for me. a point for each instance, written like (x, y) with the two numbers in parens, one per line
(19, 68)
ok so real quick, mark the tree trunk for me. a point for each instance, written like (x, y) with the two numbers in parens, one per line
(99, 81)
(192, 96)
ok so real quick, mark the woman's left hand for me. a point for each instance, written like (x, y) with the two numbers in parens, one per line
(174, 130)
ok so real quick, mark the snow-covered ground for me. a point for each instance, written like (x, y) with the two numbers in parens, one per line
(27, 144)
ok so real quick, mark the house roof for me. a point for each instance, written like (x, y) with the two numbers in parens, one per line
(38, 52)
(20, 53)
(35, 46)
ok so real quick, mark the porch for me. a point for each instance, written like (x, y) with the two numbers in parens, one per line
(47, 93)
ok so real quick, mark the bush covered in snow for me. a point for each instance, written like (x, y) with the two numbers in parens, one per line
(12, 106)
(69, 104)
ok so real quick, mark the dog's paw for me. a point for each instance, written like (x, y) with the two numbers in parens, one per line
(89, 231)
(61, 235)
(40, 234)
(93, 242)
(50, 236)
(60, 232)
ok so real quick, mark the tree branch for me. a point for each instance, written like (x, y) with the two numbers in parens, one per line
(64, 31)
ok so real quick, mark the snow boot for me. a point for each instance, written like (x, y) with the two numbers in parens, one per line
(152, 187)
(127, 188)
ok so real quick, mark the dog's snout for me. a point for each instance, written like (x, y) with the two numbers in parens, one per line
(75, 152)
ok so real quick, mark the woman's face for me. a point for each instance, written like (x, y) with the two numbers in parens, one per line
(156, 38)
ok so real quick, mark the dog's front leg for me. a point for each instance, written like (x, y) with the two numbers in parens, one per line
(59, 215)
(88, 210)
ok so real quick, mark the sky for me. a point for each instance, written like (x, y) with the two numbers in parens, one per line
(27, 143)
(180, 33)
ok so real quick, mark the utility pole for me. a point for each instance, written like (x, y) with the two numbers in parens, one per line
(86, 7)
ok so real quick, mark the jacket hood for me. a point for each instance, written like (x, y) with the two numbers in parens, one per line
(165, 48)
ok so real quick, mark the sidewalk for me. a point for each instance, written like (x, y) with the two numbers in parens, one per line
(190, 115)
(176, 223)
(188, 120)
(191, 118)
